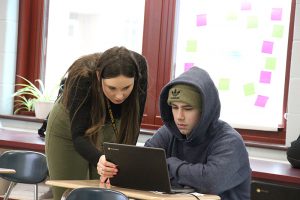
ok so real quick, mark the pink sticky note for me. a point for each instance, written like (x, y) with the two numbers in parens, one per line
(246, 5)
(267, 47)
(265, 77)
(201, 20)
(261, 101)
(188, 66)
(276, 14)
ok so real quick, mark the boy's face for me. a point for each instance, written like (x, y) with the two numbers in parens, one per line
(185, 116)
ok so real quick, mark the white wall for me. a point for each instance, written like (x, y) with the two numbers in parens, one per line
(8, 51)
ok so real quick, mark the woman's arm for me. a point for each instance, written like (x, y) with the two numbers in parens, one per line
(79, 108)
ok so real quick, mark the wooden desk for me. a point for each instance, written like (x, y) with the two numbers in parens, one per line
(136, 194)
(7, 171)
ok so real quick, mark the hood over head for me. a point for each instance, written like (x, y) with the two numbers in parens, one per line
(210, 105)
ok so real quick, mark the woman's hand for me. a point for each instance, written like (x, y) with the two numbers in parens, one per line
(106, 169)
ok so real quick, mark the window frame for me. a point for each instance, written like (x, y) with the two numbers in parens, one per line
(157, 48)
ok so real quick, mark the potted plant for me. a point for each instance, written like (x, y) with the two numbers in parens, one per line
(24, 105)
(32, 98)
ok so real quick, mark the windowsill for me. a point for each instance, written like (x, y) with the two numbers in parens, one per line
(151, 132)
(22, 118)
(265, 145)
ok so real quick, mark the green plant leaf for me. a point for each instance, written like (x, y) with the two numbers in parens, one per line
(28, 94)
(24, 104)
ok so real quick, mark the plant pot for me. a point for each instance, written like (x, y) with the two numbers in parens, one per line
(42, 109)
(26, 113)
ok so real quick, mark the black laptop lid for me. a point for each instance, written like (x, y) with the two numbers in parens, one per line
(141, 168)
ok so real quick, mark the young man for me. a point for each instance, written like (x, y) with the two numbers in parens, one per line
(202, 151)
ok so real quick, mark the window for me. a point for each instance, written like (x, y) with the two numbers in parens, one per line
(243, 45)
(77, 28)
(157, 47)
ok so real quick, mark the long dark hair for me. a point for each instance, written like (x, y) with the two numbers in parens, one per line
(110, 64)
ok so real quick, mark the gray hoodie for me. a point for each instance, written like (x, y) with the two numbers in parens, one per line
(212, 158)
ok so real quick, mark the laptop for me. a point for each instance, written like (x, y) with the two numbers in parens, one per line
(141, 168)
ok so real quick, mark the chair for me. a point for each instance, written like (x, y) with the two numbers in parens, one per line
(89, 193)
(30, 166)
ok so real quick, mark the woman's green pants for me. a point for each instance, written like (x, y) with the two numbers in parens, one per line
(64, 163)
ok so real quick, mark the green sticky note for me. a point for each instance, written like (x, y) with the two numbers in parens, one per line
(277, 31)
(249, 89)
(224, 84)
(191, 45)
(270, 63)
(231, 16)
(252, 22)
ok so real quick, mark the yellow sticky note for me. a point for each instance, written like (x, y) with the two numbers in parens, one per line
(224, 84)
(270, 63)
(277, 31)
(249, 89)
(191, 46)
(252, 22)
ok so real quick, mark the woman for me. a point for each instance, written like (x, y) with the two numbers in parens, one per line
(103, 100)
